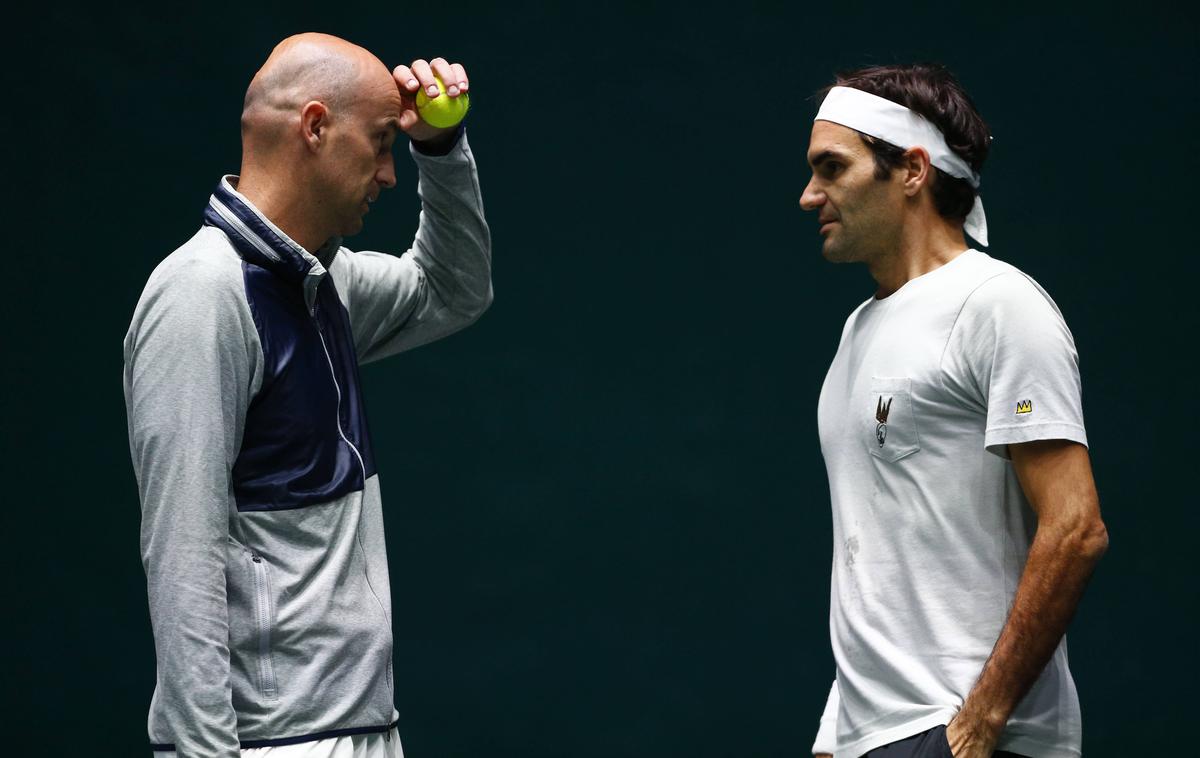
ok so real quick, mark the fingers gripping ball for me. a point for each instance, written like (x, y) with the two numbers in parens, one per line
(443, 111)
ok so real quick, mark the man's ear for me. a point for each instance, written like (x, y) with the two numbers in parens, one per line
(314, 121)
(918, 171)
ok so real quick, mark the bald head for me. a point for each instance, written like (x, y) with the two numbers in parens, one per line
(301, 69)
(317, 130)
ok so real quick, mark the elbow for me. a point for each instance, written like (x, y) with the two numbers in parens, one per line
(1100, 539)
(485, 302)
(471, 309)
(481, 303)
(1091, 540)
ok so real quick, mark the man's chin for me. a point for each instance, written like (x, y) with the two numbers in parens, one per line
(835, 253)
(832, 252)
(352, 228)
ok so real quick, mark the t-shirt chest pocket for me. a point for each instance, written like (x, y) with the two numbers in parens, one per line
(891, 432)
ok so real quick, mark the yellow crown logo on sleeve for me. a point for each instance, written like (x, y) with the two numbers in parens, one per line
(1025, 406)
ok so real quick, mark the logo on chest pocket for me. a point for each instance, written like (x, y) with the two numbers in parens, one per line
(895, 427)
(881, 415)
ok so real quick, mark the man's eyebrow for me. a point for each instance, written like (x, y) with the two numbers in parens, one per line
(825, 155)
(392, 122)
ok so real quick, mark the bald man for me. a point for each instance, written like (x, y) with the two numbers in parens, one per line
(262, 532)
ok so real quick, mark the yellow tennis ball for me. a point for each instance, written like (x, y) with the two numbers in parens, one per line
(443, 111)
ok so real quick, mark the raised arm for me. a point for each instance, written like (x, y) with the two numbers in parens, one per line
(443, 283)
(440, 285)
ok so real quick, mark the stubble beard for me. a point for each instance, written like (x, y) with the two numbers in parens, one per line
(840, 250)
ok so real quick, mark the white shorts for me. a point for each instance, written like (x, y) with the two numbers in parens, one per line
(378, 745)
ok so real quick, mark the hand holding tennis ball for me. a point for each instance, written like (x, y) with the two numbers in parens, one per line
(434, 97)
(443, 111)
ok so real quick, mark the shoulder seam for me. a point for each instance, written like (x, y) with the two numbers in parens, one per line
(958, 315)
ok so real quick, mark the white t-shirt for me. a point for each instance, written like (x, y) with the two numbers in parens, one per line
(930, 525)
(827, 731)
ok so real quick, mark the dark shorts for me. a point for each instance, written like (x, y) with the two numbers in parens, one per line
(928, 744)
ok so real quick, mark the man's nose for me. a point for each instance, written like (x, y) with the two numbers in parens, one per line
(386, 175)
(812, 198)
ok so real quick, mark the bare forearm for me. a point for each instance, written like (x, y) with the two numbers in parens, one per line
(1060, 562)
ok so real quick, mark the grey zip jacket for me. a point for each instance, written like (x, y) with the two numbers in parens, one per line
(262, 530)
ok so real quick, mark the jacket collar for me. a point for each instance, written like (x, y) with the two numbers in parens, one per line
(262, 243)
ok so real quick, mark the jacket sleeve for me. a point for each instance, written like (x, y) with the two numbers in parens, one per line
(443, 283)
(188, 374)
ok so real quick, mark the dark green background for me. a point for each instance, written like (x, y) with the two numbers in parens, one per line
(607, 514)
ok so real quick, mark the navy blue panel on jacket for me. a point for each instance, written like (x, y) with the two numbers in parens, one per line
(306, 440)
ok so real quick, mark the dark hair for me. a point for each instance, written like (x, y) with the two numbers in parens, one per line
(932, 91)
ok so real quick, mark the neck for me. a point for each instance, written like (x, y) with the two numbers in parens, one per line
(922, 248)
(276, 199)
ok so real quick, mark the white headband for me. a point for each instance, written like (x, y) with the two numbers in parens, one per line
(897, 125)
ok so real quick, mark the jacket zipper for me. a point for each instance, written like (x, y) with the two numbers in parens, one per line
(262, 591)
(338, 389)
(342, 434)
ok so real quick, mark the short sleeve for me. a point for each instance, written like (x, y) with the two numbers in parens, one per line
(1011, 352)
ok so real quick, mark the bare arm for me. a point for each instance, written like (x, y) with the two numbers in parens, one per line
(1056, 476)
